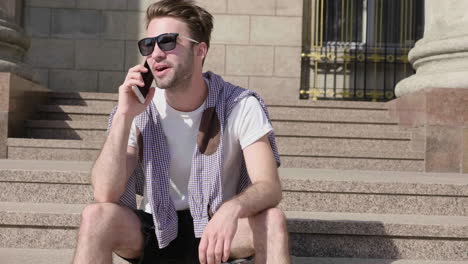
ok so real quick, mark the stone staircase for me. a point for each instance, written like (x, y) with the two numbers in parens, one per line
(354, 190)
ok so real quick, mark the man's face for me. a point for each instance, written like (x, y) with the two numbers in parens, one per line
(174, 68)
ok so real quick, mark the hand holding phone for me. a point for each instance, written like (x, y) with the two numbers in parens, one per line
(142, 91)
(129, 104)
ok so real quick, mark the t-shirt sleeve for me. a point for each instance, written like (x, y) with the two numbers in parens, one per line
(132, 137)
(248, 121)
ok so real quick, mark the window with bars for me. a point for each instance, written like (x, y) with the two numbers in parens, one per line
(357, 49)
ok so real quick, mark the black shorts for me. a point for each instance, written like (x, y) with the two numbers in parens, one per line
(183, 249)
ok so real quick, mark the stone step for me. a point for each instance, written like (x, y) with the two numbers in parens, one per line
(343, 115)
(313, 234)
(44, 256)
(375, 192)
(99, 113)
(301, 148)
(347, 148)
(303, 189)
(51, 149)
(277, 113)
(83, 98)
(73, 117)
(311, 260)
(65, 129)
(59, 129)
(43, 181)
(340, 163)
(318, 234)
(340, 130)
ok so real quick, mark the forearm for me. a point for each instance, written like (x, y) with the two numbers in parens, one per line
(109, 174)
(256, 198)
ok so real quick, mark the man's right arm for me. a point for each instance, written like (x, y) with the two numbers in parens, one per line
(115, 163)
(117, 160)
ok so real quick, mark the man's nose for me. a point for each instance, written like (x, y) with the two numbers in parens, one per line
(157, 53)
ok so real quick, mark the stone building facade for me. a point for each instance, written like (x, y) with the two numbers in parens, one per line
(85, 45)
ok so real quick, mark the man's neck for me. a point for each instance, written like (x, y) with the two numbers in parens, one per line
(189, 97)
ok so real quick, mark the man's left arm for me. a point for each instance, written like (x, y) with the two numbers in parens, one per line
(264, 193)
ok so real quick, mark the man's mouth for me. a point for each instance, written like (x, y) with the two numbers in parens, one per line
(160, 70)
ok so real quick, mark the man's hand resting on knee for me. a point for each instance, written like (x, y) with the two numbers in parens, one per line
(215, 245)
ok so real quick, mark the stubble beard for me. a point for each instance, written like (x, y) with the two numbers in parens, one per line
(179, 78)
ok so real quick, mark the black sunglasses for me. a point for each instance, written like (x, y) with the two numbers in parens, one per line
(166, 42)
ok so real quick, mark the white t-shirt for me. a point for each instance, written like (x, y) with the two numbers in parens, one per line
(246, 124)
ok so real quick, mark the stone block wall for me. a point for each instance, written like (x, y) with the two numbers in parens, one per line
(88, 45)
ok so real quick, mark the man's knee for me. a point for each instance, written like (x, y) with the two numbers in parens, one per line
(276, 220)
(272, 221)
(95, 216)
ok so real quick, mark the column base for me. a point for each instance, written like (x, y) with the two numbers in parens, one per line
(442, 116)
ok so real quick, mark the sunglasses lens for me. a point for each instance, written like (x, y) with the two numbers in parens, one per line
(146, 46)
(167, 42)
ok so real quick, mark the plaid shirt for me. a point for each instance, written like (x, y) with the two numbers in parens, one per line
(205, 184)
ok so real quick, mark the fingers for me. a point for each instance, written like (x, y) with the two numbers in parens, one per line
(202, 249)
(211, 251)
(227, 250)
(134, 73)
(138, 68)
(218, 251)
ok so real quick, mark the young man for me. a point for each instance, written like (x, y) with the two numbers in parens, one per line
(200, 150)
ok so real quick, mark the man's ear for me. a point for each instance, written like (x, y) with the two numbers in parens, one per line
(202, 50)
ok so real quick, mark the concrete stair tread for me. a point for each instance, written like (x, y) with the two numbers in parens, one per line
(277, 113)
(55, 143)
(312, 260)
(377, 224)
(347, 148)
(90, 125)
(90, 130)
(40, 214)
(339, 130)
(349, 116)
(341, 148)
(85, 96)
(437, 220)
(45, 256)
(41, 208)
(296, 179)
(389, 182)
(72, 109)
(282, 128)
(45, 165)
(45, 171)
(41, 256)
(305, 103)
(350, 163)
(67, 215)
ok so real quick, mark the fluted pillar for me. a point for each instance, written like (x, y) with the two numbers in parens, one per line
(13, 41)
(441, 56)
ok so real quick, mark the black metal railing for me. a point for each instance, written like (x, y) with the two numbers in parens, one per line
(357, 49)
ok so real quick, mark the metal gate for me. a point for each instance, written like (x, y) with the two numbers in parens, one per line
(357, 49)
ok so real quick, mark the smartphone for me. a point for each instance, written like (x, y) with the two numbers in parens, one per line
(142, 92)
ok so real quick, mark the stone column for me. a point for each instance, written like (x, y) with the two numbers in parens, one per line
(441, 56)
(435, 99)
(13, 41)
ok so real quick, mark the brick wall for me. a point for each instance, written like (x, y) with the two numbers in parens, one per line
(88, 45)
